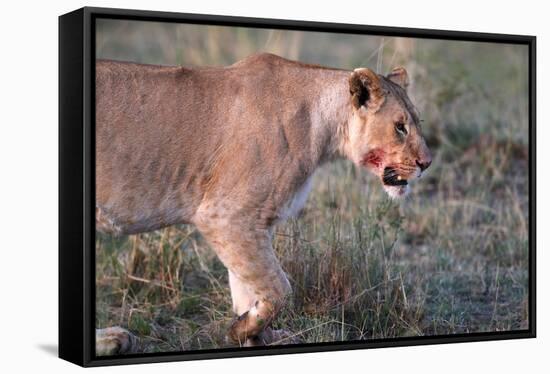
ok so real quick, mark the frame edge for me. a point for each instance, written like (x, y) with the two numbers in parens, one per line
(533, 186)
(71, 251)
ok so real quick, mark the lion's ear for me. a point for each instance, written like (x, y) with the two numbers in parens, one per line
(399, 76)
(365, 89)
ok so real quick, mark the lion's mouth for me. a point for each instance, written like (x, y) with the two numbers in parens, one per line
(392, 178)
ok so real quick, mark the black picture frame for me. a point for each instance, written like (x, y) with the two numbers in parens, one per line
(76, 187)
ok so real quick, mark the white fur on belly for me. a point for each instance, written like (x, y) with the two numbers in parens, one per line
(293, 206)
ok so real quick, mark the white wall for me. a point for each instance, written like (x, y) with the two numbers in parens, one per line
(28, 189)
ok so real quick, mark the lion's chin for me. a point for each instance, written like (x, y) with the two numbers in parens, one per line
(397, 192)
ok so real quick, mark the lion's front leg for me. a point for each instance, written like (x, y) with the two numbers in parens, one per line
(255, 309)
(259, 286)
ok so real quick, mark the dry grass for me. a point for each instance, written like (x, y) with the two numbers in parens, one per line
(452, 258)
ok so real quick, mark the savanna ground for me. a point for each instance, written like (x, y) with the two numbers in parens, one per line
(451, 258)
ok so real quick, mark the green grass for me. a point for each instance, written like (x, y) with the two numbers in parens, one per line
(451, 258)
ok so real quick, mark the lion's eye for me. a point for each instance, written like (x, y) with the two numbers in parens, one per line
(400, 127)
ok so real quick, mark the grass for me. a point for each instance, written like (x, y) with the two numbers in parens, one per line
(452, 258)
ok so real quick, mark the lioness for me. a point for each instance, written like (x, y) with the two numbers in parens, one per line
(232, 151)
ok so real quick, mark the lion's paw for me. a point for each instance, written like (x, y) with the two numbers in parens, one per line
(273, 337)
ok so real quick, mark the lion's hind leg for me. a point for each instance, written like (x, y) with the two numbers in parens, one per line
(114, 341)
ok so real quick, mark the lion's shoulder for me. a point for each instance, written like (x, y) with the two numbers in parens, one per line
(263, 58)
(268, 59)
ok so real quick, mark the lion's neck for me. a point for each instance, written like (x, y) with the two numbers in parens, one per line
(331, 116)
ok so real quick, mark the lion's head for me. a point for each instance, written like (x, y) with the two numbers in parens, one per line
(384, 131)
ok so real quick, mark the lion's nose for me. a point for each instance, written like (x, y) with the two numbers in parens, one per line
(424, 164)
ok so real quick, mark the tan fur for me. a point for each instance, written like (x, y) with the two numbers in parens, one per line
(228, 149)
